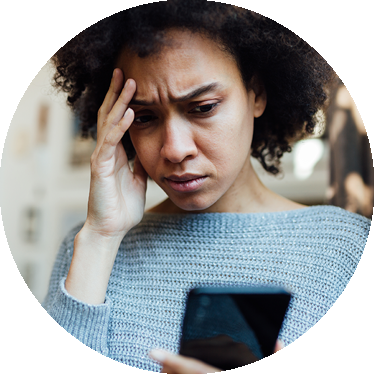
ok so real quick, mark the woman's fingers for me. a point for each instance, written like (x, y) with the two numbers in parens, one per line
(114, 136)
(115, 104)
(121, 104)
(282, 360)
(278, 346)
(177, 364)
(115, 88)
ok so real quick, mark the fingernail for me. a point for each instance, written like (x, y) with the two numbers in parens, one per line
(127, 113)
(127, 83)
(158, 355)
(282, 351)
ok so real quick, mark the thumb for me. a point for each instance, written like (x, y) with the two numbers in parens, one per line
(282, 360)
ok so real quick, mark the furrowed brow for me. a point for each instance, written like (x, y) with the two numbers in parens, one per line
(140, 102)
(189, 96)
(197, 92)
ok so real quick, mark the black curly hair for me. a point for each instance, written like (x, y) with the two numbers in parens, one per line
(295, 76)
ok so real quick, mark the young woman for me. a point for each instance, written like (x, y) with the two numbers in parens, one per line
(192, 89)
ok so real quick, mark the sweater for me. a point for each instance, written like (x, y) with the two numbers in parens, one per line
(313, 252)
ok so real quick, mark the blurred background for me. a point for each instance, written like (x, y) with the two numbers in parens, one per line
(45, 173)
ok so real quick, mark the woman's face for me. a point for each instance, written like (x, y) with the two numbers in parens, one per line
(193, 121)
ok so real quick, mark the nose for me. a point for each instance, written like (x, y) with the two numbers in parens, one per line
(178, 142)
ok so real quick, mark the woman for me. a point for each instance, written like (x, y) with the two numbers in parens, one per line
(196, 88)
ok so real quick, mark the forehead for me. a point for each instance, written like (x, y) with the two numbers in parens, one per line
(186, 60)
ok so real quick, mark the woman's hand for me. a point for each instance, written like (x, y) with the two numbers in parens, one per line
(116, 200)
(282, 360)
(177, 364)
(117, 195)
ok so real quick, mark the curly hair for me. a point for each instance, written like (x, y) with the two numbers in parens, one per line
(295, 76)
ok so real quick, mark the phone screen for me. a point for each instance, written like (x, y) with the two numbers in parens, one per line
(232, 327)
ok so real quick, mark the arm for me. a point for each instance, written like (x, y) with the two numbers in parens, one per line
(77, 295)
(116, 200)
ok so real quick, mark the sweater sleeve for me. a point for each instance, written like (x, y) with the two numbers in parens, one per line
(66, 335)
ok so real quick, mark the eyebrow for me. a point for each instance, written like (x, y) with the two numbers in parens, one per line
(189, 96)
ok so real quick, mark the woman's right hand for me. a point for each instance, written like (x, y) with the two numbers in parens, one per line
(117, 195)
(116, 200)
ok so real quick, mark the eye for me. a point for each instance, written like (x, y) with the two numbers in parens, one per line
(144, 119)
(204, 108)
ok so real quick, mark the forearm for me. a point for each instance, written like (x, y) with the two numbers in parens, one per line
(91, 266)
(116, 200)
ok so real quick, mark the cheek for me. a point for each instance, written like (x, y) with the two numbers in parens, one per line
(230, 141)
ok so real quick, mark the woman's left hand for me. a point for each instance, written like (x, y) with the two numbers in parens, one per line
(176, 364)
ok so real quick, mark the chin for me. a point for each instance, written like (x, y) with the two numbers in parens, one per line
(192, 204)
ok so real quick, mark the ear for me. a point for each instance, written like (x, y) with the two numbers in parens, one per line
(260, 99)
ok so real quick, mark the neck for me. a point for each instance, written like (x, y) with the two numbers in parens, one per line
(246, 195)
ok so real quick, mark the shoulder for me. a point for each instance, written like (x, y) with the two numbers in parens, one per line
(336, 230)
(339, 221)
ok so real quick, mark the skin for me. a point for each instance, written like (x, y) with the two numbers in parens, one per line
(172, 136)
(177, 364)
(208, 135)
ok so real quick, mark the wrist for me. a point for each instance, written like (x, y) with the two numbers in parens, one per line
(89, 236)
(92, 263)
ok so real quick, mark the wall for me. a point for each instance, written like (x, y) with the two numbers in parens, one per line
(33, 175)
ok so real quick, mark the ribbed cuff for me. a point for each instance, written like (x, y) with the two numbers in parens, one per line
(88, 323)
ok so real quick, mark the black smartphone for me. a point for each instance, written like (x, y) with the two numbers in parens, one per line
(229, 327)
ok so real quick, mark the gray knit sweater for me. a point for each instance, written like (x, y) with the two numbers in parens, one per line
(312, 251)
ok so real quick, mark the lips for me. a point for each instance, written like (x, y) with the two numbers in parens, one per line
(185, 182)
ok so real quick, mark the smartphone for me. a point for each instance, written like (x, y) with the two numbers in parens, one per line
(229, 327)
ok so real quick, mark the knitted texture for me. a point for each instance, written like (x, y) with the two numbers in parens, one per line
(313, 252)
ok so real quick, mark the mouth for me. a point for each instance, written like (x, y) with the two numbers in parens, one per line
(185, 182)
